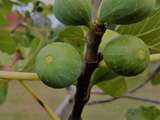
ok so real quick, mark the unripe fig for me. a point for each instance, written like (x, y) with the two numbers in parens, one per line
(126, 55)
(73, 12)
(125, 11)
(58, 65)
(107, 37)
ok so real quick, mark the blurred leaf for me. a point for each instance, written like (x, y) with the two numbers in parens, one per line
(25, 1)
(22, 38)
(5, 58)
(115, 87)
(3, 90)
(156, 79)
(7, 44)
(102, 73)
(73, 35)
(158, 3)
(134, 81)
(158, 118)
(5, 8)
(148, 30)
(143, 113)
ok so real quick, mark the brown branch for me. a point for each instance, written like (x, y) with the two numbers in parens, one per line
(132, 97)
(141, 99)
(108, 100)
(91, 61)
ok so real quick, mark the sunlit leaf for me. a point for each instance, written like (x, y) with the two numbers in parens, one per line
(148, 30)
(115, 87)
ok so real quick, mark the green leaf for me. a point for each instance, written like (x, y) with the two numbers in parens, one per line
(115, 87)
(7, 44)
(22, 38)
(134, 81)
(25, 1)
(148, 30)
(73, 35)
(158, 3)
(156, 80)
(158, 118)
(3, 90)
(102, 73)
(143, 113)
(5, 8)
(5, 58)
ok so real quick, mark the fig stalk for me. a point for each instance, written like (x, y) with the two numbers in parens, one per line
(91, 61)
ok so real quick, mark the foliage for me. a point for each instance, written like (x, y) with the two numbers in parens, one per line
(25, 32)
(143, 113)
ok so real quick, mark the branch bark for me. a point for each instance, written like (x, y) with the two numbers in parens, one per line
(91, 61)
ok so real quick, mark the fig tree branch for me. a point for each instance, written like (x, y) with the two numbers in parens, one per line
(132, 97)
(91, 61)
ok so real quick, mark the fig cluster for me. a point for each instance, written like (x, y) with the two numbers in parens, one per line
(79, 12)
(125, 11)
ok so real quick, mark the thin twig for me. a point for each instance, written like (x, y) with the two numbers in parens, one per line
(151, 76)
(125, 96)
(108, 100)
(141, 99)
(15, 59)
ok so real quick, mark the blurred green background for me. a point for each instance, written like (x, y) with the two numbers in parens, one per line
(20, 105)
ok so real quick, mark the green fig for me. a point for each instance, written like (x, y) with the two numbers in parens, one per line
(58, 65)
(73, 12)
(125, 11)
(127, 55)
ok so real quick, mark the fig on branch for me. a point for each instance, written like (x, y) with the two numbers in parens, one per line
(125, 11)
(73, 12)
(127, 55)
(58, 65)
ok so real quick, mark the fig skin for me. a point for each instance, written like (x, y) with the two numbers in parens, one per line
(58, 65)
(125, 11)
(127, 55)
(73, 12)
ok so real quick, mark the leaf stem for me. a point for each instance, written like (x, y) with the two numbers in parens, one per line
(91, 61)
(155, 57)
(18, 76)
(40, 101)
